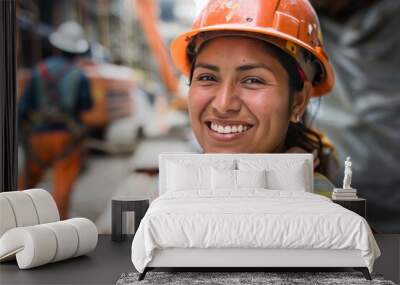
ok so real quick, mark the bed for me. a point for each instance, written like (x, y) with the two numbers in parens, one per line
(246, 211)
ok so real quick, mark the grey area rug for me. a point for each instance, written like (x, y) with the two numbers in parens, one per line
(269, 278)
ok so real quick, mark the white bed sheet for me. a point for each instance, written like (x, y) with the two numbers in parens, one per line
(252, 218)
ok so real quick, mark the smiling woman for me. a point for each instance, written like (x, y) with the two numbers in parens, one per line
(239, 97)
(252, 69)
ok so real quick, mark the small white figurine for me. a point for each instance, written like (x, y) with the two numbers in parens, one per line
(347, 174)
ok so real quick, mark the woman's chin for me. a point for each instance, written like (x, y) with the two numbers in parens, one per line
(210, 148)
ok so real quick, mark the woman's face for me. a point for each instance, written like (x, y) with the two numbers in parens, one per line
(239, 97)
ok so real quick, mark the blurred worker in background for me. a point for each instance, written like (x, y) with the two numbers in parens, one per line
(362, 118)
(50, 116)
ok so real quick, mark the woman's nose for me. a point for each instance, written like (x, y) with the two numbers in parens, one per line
(226, 99)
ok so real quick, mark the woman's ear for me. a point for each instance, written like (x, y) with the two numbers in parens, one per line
(300, 102)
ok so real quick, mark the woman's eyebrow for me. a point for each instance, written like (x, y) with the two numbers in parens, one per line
(247, 67)
(207, 66)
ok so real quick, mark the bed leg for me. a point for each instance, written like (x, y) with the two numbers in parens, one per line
(364, 271)
(143, 274)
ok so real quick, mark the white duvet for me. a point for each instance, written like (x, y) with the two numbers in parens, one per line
(253, 218)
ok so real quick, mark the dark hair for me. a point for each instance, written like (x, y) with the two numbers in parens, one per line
(298, 134)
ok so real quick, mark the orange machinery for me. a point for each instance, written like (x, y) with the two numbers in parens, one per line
(112, 88)
(146, 11)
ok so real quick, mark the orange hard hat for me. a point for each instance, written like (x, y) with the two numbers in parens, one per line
(291, 25)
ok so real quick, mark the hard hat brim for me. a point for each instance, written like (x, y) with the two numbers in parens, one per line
(61, 43)
(179, 51)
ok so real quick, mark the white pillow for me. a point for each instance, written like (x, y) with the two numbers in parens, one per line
(185, 174)
(223, 179)
(288, 175)
(181, 178)
(294, 179)
(228, 179)
(251, 178)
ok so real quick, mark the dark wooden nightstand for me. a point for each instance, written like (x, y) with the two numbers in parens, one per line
(358, 206)
(120, 205)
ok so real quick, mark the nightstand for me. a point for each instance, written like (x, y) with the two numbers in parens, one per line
(121, 205)
(358, 206)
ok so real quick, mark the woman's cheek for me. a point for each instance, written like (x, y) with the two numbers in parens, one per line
(277, 115)
(271, 112)
(275, 101)
(198, 100)
(197, 103)
(263, 105)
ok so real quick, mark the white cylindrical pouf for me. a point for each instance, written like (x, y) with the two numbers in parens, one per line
(23, 208)
(34, 246)
(67, 239)
(7, 218)
(87, 234)
(40, 244)
(45, 205)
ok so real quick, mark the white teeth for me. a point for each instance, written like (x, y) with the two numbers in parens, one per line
(229, 129)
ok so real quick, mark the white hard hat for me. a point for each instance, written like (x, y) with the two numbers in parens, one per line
(69, 37)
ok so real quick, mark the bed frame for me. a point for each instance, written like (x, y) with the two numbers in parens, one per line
(246, 259)
(242, 259)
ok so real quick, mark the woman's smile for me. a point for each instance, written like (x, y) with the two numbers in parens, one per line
(221, 130)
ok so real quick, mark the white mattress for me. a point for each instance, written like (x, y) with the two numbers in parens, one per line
(253, 218)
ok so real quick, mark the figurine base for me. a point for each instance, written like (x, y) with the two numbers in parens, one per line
(344, 194)
(350, 190)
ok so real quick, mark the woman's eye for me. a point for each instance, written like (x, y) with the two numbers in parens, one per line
(253, 80)
(206, 78)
